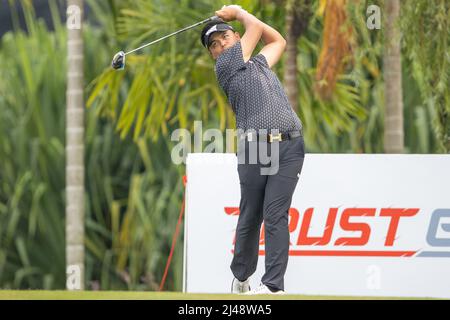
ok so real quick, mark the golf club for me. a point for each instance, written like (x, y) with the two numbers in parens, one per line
(118, 61)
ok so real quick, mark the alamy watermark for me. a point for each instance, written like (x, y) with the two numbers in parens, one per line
(73, 277)
(374, 17)
(373, 280)
(73, 17)
(253, 147)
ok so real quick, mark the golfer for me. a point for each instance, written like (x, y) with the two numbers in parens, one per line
(265, 118)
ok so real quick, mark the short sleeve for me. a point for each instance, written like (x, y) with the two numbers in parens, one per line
(228, 63)
(260, 59)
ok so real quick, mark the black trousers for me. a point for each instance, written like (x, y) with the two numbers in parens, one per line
(266, 197)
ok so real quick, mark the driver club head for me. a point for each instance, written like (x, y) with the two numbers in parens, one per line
(118, 62)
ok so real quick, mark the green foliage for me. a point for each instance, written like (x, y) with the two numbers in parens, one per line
(133, 193)
(32, 158)
(166, 86)
(426, 35)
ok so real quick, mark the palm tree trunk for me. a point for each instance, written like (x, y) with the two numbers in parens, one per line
(393, 122)
(298, 13)
(290, 69)
(75, 148)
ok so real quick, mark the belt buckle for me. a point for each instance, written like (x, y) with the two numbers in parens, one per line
(274, 137)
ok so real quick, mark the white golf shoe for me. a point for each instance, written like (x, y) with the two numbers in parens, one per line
(240, 287)
(262, 289)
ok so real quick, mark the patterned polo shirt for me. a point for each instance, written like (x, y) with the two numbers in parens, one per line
(254, 92)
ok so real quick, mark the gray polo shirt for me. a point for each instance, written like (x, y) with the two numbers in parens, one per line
(254, 92)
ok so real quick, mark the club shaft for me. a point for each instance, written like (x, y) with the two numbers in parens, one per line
(172, 34)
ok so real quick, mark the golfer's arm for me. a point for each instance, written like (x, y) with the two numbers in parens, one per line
(274, 44)
(253, 32)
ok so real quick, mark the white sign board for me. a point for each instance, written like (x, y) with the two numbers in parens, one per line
(360, 225)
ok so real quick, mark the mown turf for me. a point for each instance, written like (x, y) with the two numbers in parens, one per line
(126, 295)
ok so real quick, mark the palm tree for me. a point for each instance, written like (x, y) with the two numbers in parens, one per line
(336, 47)
(393, 121)
(298, 13)
(75, 148)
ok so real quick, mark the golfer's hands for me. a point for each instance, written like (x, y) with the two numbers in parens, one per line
(230, 13)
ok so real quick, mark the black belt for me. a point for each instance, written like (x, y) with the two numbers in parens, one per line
(253, 136)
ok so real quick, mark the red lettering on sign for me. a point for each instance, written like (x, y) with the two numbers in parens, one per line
(352, 226)
(305, 240)
(395, 214)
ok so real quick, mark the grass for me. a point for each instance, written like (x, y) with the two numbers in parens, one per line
(127, 295)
